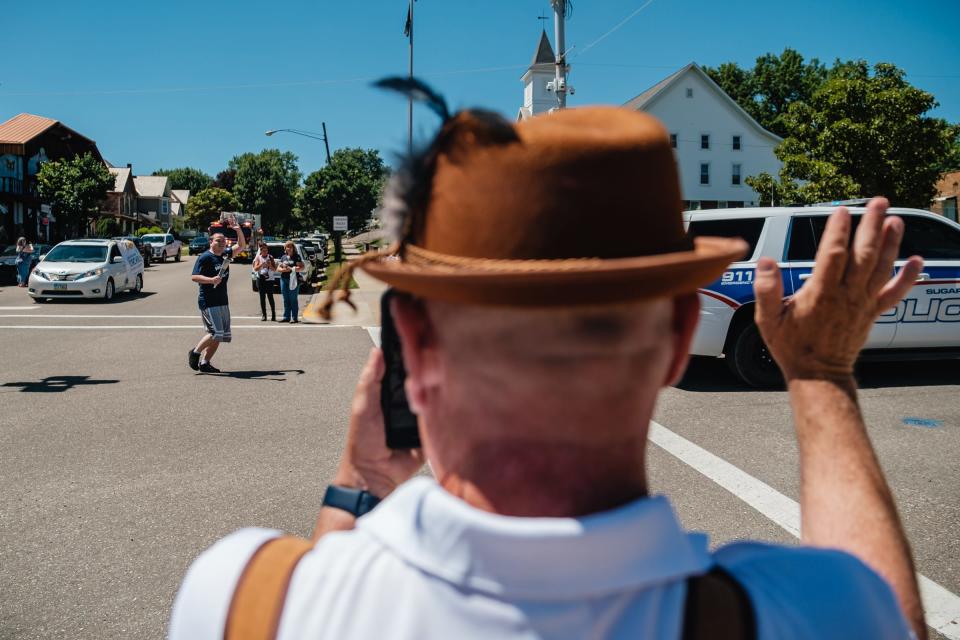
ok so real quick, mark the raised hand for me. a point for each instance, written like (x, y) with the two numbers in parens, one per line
(818, 332)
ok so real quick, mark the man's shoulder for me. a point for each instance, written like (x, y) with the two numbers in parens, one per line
(202, 603)
(203, 600)
(826, 593)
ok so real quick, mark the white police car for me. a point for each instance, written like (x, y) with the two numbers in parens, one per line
(924, 325)
(87, 269)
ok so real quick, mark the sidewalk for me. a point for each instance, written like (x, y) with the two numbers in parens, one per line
(366, 296)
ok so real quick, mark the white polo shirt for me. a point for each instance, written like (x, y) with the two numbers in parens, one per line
(424, 564)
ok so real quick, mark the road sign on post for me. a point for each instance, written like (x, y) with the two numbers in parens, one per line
(339, 226)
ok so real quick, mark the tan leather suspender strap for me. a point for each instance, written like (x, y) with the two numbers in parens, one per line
(257, 602)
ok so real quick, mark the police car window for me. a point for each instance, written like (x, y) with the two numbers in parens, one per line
(747, 228)
(114, 252)
(803, 241)
(929, 239)
(805, 234)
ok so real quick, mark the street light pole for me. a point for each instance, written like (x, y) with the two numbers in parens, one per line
(326, 143)
(307, 134)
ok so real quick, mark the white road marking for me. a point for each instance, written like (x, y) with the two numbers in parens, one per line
(58, 315)
(196, 326)
(374, 335)
(942, 607)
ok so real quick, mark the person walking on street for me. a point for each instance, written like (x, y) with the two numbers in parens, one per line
(211, 271)
(265, 267)
(23, 260)
(289, 267)
(534, 360)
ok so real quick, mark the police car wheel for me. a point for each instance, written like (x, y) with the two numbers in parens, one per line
(750, 360)
(108, 291)
(138, 286)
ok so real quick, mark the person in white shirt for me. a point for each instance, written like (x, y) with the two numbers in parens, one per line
(265, 268)
(536, 342)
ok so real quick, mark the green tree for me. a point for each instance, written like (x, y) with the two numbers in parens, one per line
(350, 185)
(775, 82)
(142, 231)
(107, 227)
(862, 133)
(205, 206)
(74, 188)
(193, 180)
(226, 179)
(266, 183)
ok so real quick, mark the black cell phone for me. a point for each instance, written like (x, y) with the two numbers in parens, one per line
(400, 423)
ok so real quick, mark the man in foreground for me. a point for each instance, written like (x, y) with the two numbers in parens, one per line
(212, 271)
(536, 344)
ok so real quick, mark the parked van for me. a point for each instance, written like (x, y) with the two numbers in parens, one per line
(87, 269)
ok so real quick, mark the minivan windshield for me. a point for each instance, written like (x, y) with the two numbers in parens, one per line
(77, 253)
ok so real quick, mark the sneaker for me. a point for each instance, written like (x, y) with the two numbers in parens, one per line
(206, 367)
(194, 360)
(295, 321)
(284, 320)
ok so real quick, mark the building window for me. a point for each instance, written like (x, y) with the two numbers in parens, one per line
(705, 141)
(704, 173)
(673, 140)
(689, 92)
(735, 176)
(736, 143)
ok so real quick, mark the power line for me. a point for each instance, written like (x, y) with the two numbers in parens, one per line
(614, 29)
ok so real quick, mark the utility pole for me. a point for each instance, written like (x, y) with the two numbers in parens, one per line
(559, 17)
(559, 83)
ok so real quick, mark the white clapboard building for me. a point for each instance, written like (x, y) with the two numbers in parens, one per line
(717, 143)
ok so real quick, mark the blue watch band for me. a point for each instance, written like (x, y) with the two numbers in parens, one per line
(355, 501)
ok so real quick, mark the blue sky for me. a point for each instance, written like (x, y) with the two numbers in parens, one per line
(193, 83)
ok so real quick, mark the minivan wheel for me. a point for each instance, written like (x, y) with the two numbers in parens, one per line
(138, 286)
(108, 291)
(749, 360)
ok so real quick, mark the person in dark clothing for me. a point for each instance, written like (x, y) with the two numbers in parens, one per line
(290, 266)
(265, 267)
(211, 271)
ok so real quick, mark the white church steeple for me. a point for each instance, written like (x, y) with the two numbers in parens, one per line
(536, 98)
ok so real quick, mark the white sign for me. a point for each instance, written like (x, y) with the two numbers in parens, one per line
(339, 223)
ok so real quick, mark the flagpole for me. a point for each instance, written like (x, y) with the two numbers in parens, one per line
(410, 73)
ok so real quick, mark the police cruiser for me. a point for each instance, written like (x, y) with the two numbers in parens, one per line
(924, 325)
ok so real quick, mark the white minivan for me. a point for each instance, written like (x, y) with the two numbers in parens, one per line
(87, 269)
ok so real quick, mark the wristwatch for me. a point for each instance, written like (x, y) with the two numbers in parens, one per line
(355, 501)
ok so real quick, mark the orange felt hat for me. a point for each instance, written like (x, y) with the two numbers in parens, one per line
(580, 206)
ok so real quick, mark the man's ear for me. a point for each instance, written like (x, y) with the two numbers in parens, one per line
(686, 314)
(417, 337)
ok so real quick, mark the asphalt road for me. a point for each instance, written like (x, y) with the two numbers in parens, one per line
(119, 464)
